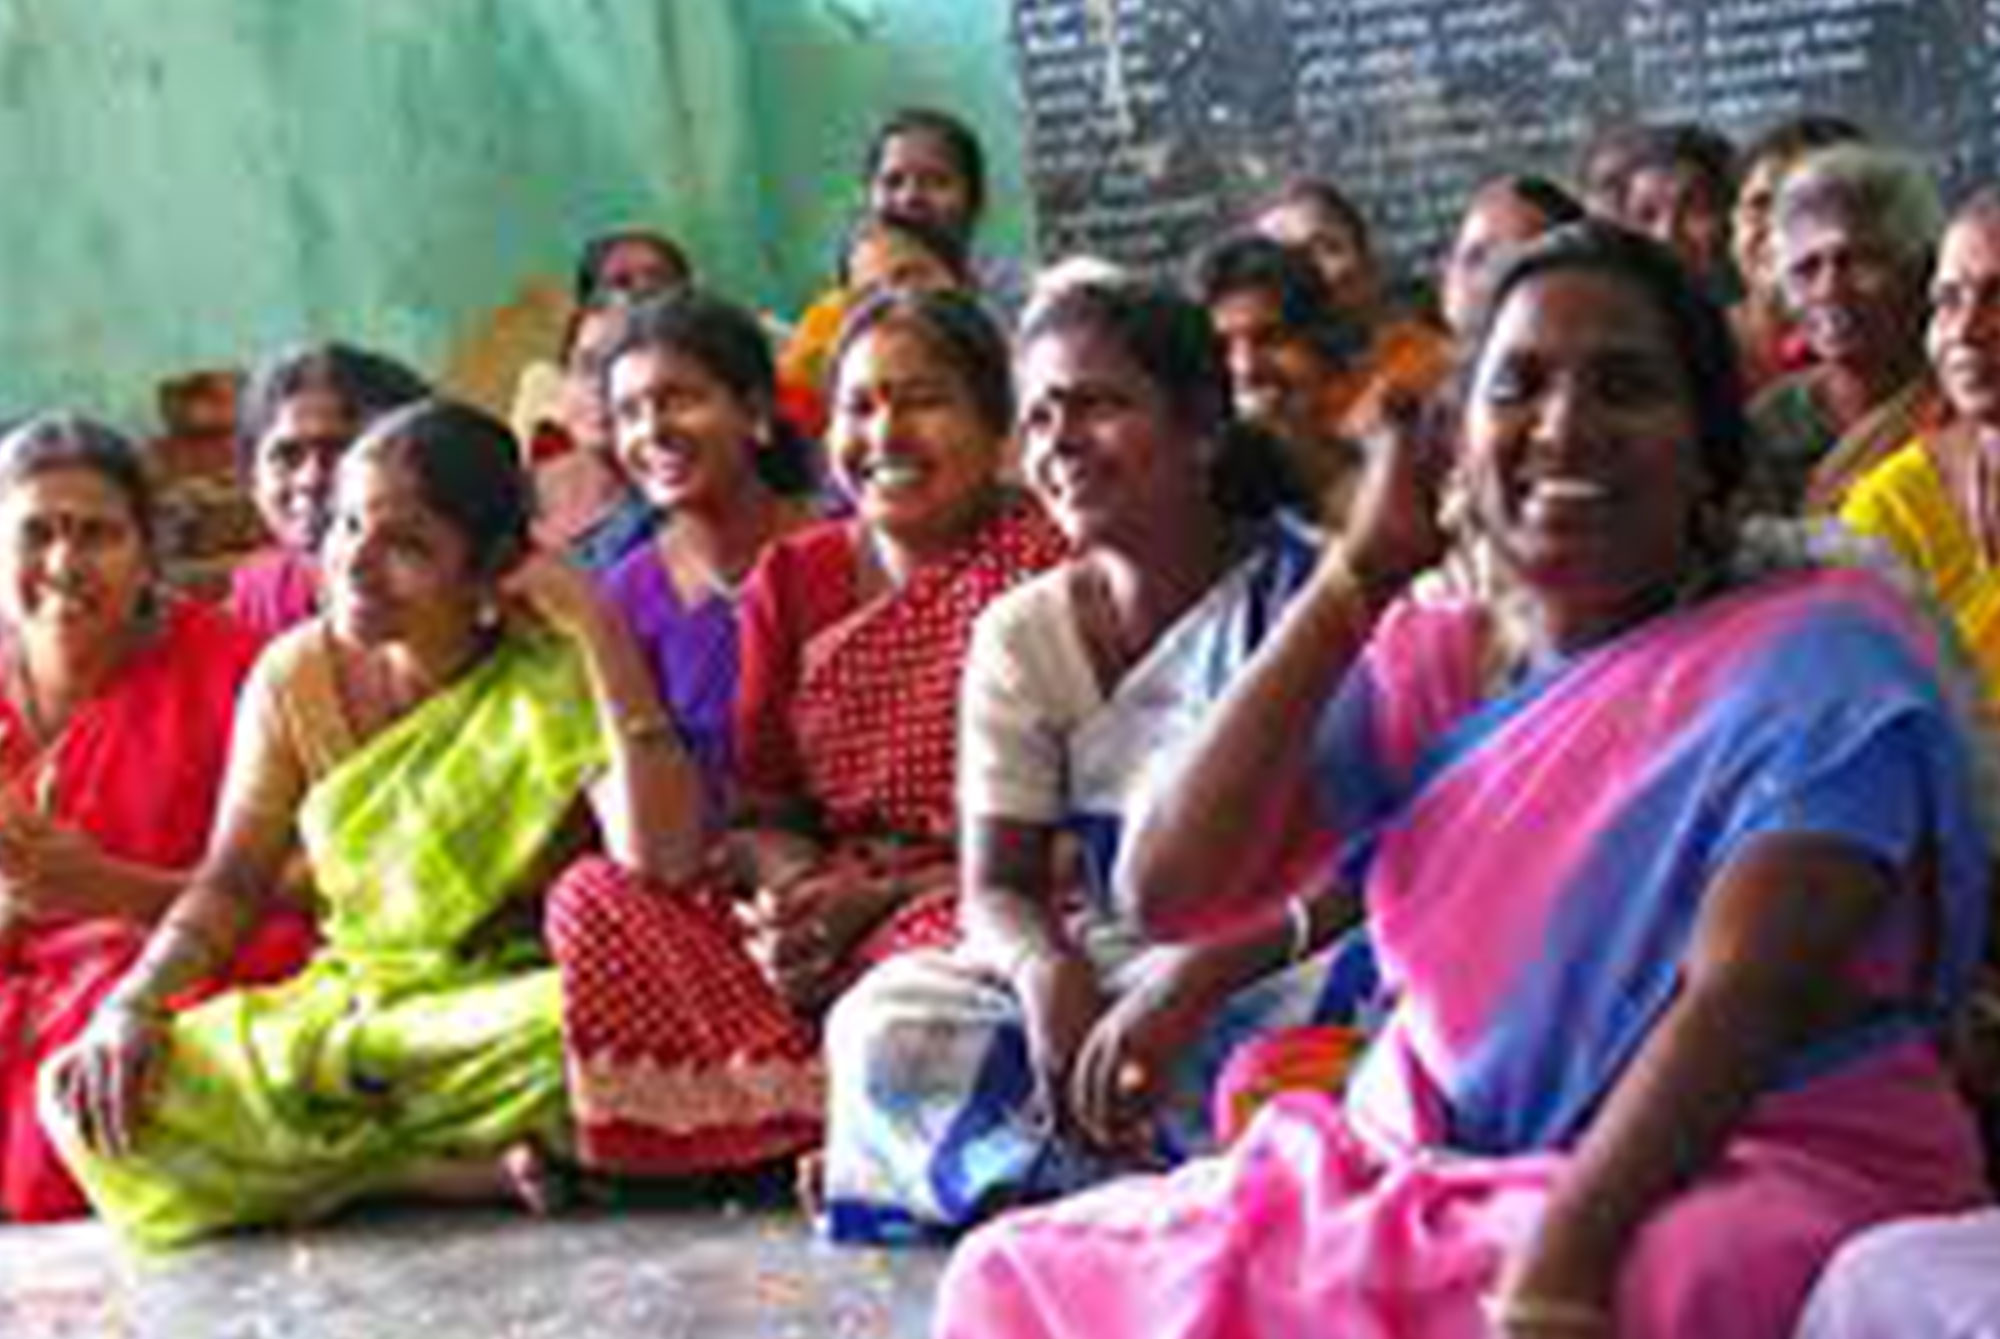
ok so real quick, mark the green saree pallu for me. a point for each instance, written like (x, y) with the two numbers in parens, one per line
(400, 1044)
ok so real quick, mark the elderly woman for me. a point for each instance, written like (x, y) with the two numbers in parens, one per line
(1670, 868)
(1055, 1046)
(115, 711)
(694, 1012)
(301, 410)
(1853, 230)
(1767, 341)
(1937, 500)
(435, 761)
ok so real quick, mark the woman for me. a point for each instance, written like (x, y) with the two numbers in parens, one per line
(1679, 186)
(1937, 500)
(693, 1013)
(302, 409)
(1503, 213)
(115, 707)
(1054, 1047)
(1767, 338)
(1401, 356)
(880, 251)
(1853, 231)
(692, 395)
(430, 761)
(588, 510)
(1671, 869)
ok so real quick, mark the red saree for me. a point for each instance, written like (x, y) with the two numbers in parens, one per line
(681, 1057)
(137, 768)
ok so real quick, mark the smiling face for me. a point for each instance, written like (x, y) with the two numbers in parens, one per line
(396, 571)
(684, 436)
(291, 475)
(1859, 303)
(1964, 333)
(917, 176)
(1100, 443)
(1277, 377)
(73, 562)
(908, 441)
(1580, 442)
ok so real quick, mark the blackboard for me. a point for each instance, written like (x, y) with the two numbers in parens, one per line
(1151, 124)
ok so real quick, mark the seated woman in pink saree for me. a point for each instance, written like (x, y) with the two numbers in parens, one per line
(114, 726)
(691, 1014)
(1672, 868)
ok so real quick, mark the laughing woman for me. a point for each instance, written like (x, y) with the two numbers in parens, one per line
(114, 728)
(1671, 860)
(1056, 1046)
(694, 1012)
(435, 764)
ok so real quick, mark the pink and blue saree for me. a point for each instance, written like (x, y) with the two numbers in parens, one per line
(1533, 866)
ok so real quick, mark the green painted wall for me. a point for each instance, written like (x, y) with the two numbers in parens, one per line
(189, 182)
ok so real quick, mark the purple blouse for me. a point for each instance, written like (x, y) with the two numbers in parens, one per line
(692, 653)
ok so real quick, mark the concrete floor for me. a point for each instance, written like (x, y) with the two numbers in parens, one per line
(472, 1274)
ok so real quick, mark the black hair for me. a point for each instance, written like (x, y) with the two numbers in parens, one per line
(1172, 341)
(1697, 331)
(1248, 262)
(957, 326)
(959, 142)
(367, 384)
(1319, 193)
(1708, 152)
(1797, 136)
(943, 244)
(589, 276)
(1543, 195)
(468, 470)
(58, 441)
(729, 342)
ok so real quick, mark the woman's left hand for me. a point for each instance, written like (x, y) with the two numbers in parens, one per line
(555, 594)
(1121, 1072)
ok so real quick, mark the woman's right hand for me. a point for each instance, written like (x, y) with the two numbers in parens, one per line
(1061, 1002)
(103, 1079)
(1394, 531)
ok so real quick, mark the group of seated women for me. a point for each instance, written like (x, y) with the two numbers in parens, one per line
(1525, 896)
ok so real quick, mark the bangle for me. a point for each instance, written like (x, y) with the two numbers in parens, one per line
(1299, 916)
(1516, 1311)
(645, 728)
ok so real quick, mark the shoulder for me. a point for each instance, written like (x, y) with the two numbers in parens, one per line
(1905, 476)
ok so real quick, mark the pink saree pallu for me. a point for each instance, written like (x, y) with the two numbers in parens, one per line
(1534, 865)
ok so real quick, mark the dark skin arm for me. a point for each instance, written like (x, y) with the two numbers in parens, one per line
(1762, 975)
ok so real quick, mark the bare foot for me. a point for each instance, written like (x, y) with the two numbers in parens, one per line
(809, 1182)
